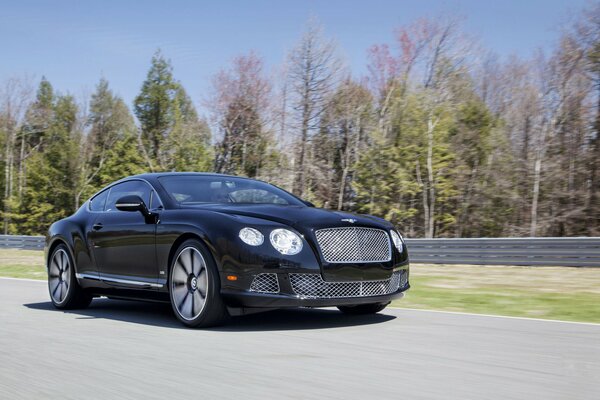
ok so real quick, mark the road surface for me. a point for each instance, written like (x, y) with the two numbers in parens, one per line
(130, 350)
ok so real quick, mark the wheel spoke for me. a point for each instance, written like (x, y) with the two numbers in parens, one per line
(186, 306)
(186, 260)
(203, 282)
(179, 293)
(54, 283)
(62, 260)
(198, 302)
(179, 275)
(59, 290)
(63, 291)
(54, 270)
(198, 263)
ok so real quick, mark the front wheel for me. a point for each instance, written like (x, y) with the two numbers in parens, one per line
(363, 309)
(63, 287)
(194, 287)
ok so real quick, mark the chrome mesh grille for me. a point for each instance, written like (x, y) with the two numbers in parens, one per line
(312, 286)
(265, 283)
(354, 245)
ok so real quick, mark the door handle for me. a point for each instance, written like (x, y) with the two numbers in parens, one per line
(97, 226)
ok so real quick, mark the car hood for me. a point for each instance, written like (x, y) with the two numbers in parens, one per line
(298, 217)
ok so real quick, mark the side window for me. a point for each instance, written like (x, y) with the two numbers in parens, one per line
(137, 188)
(154, 201)
(97, 203)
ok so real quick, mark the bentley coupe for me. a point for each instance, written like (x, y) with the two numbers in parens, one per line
(215, 246)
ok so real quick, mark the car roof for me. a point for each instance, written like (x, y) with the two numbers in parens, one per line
(162, 174)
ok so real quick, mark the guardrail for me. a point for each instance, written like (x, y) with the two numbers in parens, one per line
(22, 242)
(570, 252)
(567, 252)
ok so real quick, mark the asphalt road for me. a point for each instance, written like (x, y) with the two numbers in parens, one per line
(130, 350)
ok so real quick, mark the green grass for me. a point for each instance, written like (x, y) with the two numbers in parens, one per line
(22, 264)
(514, 291)
(570, 294)
(23, 271)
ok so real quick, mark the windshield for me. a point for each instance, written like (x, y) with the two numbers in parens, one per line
(197, 189)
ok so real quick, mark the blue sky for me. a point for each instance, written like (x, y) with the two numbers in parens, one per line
(74, 43)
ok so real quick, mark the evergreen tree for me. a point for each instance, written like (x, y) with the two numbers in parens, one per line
(49, 195)
(168, 119)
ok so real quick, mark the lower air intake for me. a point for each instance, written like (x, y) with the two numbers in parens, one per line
(312, 286)
(265, 283)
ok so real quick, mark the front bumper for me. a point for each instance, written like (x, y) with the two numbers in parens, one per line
(280, 290)
(264, 300)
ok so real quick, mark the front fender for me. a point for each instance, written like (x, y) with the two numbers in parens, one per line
(220, 232)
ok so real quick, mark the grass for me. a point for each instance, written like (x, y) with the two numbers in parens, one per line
(22, 264)
(570, 294)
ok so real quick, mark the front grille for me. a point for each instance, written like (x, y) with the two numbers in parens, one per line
(354, 245)
(312, 286)
(265, 283)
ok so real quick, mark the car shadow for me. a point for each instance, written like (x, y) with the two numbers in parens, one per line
(161, 315)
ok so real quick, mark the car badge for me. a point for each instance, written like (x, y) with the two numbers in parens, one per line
(351, 220)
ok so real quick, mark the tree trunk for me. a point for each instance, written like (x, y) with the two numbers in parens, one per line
(430, 179)
(424, 191)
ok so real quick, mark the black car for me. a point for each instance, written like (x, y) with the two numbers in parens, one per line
(215, 245)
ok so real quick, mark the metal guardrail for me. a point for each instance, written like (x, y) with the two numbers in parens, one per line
(569, 252)
(22, 242)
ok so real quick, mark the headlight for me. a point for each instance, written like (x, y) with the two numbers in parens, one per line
(397, 241)
(286, 242)
(252, 237)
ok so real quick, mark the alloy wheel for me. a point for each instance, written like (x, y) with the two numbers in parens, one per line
(189, 283)
(59, 276)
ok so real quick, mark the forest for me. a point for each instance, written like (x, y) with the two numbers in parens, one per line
(441, 136)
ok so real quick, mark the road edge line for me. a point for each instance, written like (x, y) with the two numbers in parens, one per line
(496, 316)
(8, 278)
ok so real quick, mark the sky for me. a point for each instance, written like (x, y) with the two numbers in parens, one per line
(75, 43)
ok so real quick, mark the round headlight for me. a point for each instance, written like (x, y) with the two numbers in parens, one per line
(397, 241)
(252, 237)
(286, 242)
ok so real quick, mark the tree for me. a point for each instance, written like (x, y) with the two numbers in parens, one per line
(109, 123)
(240, 107)
(167, 115)
(313, 69)
(14, 97)
(50, 190)
(339, 142)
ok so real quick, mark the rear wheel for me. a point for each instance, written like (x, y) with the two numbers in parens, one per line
(63, 287)
(194, 287)
(363, 309)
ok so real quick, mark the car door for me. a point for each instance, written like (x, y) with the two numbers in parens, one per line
(124, 242)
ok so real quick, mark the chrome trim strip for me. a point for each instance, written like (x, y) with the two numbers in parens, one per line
(87, 276)
(116, 280)
(126, 205)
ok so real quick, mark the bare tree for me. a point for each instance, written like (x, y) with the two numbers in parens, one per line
(15, 96)
(240, 106)
(313, 69)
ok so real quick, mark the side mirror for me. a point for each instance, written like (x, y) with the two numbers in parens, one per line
(132, 203)
(135, 203)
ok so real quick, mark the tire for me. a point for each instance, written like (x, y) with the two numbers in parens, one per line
(363, 309)
(194, 287)
(65, 292)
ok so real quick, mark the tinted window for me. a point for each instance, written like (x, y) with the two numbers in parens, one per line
(198, 189)
(137, 188)
(97, 203)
